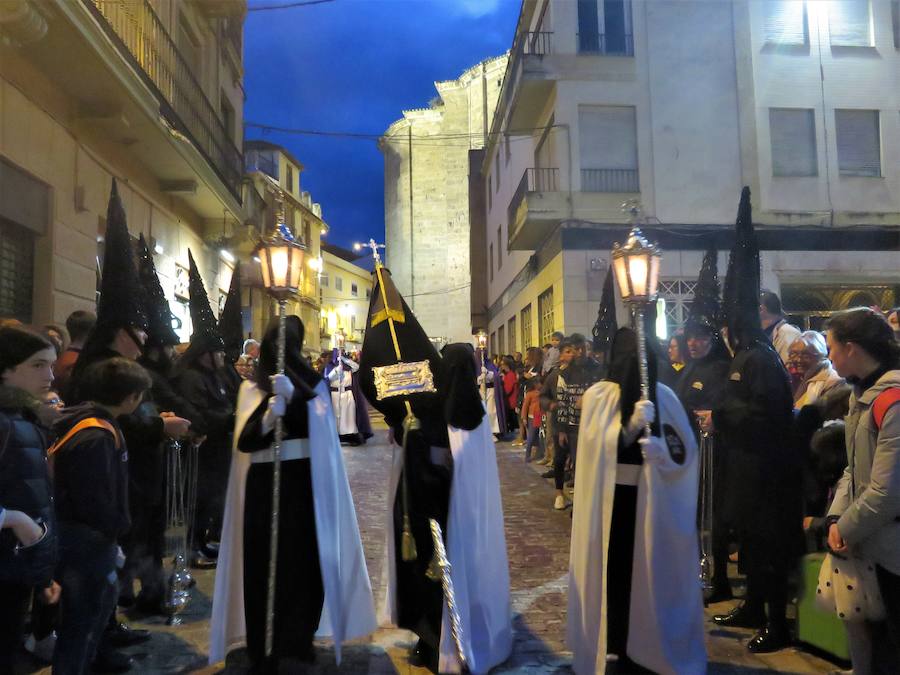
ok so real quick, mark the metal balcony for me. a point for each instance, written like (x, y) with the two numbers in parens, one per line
(140, 36)
(526, 84)
(536, 205)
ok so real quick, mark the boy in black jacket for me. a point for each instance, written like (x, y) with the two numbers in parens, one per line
(90, 463)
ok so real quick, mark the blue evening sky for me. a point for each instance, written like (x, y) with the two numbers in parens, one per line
(354, 65)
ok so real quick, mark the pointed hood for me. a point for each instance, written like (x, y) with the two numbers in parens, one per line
(121, 303)
(705, 308)
(463, 408)
(159, 316)
(740, 299)
(205, 336)
(605, 326)
(414, 345)
(231, 321)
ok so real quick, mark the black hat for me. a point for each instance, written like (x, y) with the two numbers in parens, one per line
(705, 308)
(205, 336)
(159, 316)
(121, 302)
(231, 322)
(605, 326)
(386, 321)
(740, 299)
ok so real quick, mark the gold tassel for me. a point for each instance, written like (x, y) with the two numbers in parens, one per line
(407, 544)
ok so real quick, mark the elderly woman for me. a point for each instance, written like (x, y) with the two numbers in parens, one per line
(808, 356)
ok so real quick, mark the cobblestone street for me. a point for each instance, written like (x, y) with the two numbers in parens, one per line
(538, 542)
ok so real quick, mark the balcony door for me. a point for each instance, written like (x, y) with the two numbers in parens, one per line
(605, 27)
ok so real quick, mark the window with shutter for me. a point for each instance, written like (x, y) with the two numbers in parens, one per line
(501, 340)
(858, 142)
(491, 250)
(511, 335)
(545, 315)
(499, 250)
(850, 23)
(793, 136)
(895, 21)
(525, 327)
(16, 271)
(785, 22)
(608, 146)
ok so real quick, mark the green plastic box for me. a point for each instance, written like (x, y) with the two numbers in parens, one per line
(823, 630)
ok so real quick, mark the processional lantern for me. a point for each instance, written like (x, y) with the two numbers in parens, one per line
(481, 340)
(636, 266)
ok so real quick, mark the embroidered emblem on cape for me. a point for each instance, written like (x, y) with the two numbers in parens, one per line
(675, 444)
(401, 379)
(735, 377)
(697, 385)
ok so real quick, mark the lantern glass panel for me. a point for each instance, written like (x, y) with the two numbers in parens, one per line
(638, 271)
(264, 264)
(296, 268)
(653, 283)
(619, 266)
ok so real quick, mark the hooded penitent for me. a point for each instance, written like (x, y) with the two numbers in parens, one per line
(121, 302)
(379, 350)
(605, 325)
(463, 408)
(159, 316)
(231, 321)
(633, 562)
(706, 311)
(740, 299)
(205, 337)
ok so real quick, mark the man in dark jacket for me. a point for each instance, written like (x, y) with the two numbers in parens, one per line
(91, 488)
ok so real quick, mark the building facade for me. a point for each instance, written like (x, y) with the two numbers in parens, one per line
(677, 104)
(145, 91)
(274, 191)
(344, 291)
(426, 204)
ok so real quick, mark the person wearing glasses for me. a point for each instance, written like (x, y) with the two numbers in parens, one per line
(808, 357)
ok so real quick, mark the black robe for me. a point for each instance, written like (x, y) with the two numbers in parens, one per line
(753, 420)
(206, 392)
(300, 593)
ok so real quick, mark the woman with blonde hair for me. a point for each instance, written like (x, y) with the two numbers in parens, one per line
(808, 356)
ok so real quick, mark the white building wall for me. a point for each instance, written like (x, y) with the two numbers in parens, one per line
(702, 81)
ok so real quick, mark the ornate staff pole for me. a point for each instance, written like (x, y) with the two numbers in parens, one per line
(281, 259)
(636, 265)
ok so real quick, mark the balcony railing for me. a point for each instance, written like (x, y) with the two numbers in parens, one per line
(260, 161)
(610, 44)
(143, 40)
(533, 180)
(537, 43)
(610, 180)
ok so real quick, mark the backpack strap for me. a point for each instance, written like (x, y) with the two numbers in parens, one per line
(87, 423)
(883, 402)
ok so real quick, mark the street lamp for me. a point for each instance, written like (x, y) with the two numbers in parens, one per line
(636, 266)
(281, 260)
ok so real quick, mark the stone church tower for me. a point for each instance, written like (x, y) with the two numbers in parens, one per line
(426, 198)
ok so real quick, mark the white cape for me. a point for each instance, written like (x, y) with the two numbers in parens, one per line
(348, 611)
(476, 549)
(665, 631)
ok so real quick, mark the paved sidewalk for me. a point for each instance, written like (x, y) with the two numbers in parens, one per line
(538, 543)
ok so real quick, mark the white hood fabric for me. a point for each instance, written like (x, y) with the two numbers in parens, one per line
(348, 611)
(476, 549)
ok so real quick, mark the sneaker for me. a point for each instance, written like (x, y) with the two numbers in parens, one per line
(41, 649)
(561, 503)
(548, 474)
